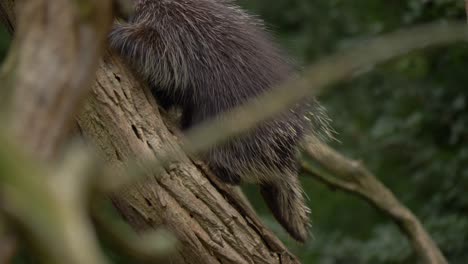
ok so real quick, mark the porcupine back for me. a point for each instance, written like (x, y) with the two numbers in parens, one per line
(208, 57)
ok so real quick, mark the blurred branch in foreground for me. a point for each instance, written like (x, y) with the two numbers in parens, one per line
(51, 210)
(317, 78)
(49, 70)
(122, 119)
(49, 207)
(321, 75)
(331, 70)
(54, 65)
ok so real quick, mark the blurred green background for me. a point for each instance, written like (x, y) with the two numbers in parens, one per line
(407, 120)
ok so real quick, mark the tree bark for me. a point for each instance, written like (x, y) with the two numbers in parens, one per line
(210, 220)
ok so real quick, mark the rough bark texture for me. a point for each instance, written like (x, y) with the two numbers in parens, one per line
(212, 224)
(122, 118)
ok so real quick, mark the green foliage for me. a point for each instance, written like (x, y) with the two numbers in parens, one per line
(4, 42)
(407, 120)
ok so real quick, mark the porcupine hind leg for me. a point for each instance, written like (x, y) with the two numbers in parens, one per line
(286, 201)
(283, 193)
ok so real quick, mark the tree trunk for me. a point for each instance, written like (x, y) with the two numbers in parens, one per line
(210, 220)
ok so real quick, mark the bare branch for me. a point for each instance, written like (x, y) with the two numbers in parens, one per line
(329, 71)
(118, 112)
(336, 171)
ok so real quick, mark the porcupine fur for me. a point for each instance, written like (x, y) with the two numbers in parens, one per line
(207, 57)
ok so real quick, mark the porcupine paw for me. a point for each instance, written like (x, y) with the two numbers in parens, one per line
(287, 203)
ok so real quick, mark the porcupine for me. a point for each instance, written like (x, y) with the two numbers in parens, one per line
(207, 57)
